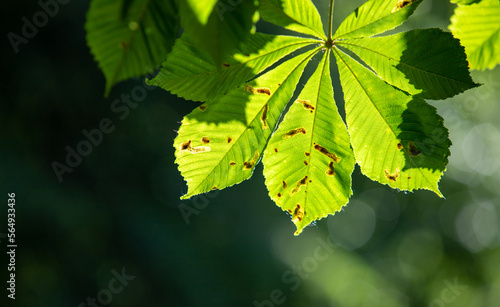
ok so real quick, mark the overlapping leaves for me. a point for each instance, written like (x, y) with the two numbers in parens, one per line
(392, 133)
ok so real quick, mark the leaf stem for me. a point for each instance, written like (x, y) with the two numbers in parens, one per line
(330, 23)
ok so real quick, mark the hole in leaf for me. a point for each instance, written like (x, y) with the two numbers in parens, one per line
(306, 104)
(258, 90)
(294, 132)
(186, 146)
(263, 117)
(391, 177)
(298, 214)
(331, 170)
(248, 165)
(401, 4)
(325, 151)
(412, 149)
(301, 182)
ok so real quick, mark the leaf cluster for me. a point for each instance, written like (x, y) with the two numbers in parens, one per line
(245, 81)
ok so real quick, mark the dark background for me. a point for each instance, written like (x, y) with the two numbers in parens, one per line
(119, 208)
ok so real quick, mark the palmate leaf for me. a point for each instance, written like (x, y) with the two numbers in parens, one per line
(478, 28)
(220, 142)
(375, 17)
(393, 134)
(397, 139)
(191, 74)
(407, 61)
(132, 41)
(308, 161)
(296, 15)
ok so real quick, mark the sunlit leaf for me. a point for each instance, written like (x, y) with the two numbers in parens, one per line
(478, 28)
(308, 161)
(191, 74)
(406, 60)
(131, 43)
(229, 23)
(296, 15)
(376, 16)
(397, 139)
(220, 142)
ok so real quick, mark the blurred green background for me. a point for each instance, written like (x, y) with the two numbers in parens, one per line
(118, 210)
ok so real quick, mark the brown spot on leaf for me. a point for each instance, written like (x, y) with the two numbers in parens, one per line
(294, 132)
(284, 185)
(331, 170)
(229, 139)
(258, 90)
(205, 140)
(289, 211)
(275, 149)
(391, 177)
(306, 104)
(226, 65)
(300, 183)
(412, 149)
(401, 4)
(248, 165)
(279, 195)
(305, 162)
(203, 107)
(325, 151)
(400, 146)
(263, 117)
(232, 163)
(298, 214)
(409, 177)
(186, 146)
(214, 188)
(307, 154)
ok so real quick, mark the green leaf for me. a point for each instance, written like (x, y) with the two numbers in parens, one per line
(376, 16)
(309, 161)
(202, 9)
(220, 142)
(229, 23)
(408, 60)
(191, 74)
(397, 139)
(296, 15)
(131, 44)
(478, 28)
(464, 2)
